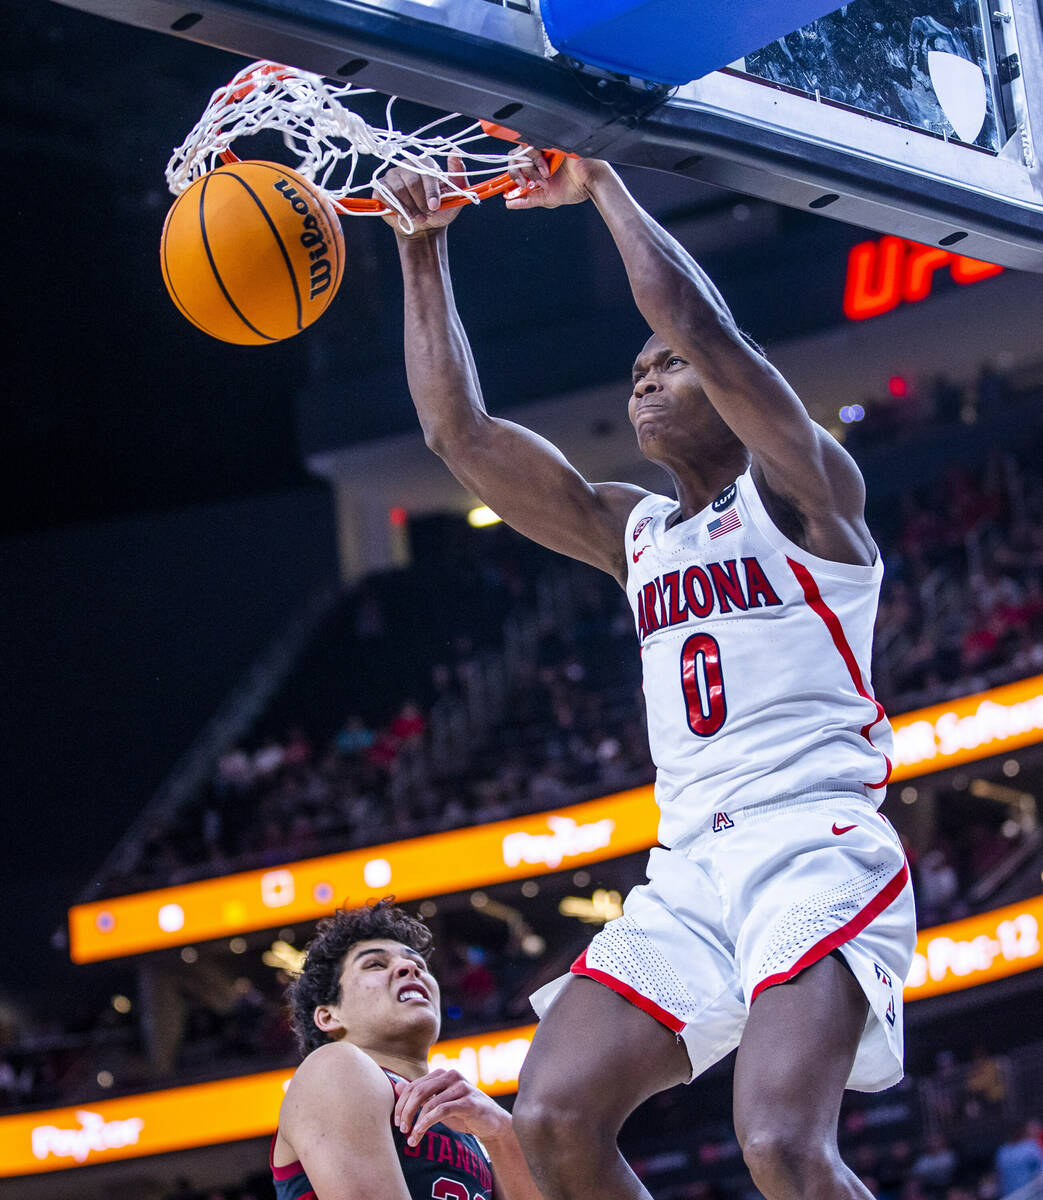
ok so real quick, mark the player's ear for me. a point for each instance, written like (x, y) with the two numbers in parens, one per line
(328, 1021)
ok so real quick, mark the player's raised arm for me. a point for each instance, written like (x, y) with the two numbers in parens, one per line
(521, 476)
(793, 457)
(336, 1117)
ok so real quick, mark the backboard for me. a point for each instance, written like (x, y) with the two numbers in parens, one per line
(920, 119)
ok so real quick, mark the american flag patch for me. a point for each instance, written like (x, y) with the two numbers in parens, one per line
(724, 525)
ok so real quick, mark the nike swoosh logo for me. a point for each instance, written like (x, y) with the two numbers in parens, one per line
(638, 553)
(839, 829)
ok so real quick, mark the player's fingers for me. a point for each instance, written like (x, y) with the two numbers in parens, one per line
(432, 193)
(415, 1095)
(527, 165)
(427, 188)
(457, 173)
(437, 1109)
(398, 183)
(525, 197)
(523, 168)
(418, 192)
(408, 1105)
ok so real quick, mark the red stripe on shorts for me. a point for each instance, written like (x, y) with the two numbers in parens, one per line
(836, 631)
(580, 967)
(838, 937)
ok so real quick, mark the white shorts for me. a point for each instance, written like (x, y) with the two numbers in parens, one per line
(775, 889)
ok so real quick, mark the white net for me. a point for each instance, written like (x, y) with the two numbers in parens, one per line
(329, 140)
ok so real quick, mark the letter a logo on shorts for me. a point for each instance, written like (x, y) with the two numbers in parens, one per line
(882, 975)
(722, 821)
(890, 1014)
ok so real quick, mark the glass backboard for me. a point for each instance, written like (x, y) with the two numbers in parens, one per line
(919, 118)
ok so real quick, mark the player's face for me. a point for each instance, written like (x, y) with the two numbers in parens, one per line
(387, 996)
(668, 407)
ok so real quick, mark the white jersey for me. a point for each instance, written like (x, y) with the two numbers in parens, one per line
(755, 657)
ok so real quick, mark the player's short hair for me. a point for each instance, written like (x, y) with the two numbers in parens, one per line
(319, 980)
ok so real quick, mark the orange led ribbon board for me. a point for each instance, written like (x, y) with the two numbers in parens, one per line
(416, 867)
(206, 1114)
(998, 721)
(962, 954)
(930, 739)
(978, 949)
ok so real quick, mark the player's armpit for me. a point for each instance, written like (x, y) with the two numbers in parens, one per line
(337, 1118)
(531, 485)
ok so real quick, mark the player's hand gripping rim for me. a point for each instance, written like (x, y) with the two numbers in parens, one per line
(419, 197)
(448, 1097)
(538, 186)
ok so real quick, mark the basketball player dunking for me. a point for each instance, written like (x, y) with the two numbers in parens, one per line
(364, 1118)
(779, 916)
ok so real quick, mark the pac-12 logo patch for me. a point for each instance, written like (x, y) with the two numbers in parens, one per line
(721, 820)
(726, 498)
(640, 526)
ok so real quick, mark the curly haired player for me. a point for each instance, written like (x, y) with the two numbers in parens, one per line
(364, 1118)
(778, 915)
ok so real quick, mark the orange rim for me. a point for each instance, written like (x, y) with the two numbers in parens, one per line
(490, 187)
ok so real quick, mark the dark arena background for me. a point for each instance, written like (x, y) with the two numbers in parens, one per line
(260, 656)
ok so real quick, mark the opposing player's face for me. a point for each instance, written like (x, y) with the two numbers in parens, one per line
(667, 403)
(387, 996)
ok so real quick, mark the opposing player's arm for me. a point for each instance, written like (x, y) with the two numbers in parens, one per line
(521, 476)
(337, 1118)
(794, 458)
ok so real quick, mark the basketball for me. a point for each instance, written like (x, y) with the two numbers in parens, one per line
(252, 253)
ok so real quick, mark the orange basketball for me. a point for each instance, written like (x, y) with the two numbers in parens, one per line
(252, 253)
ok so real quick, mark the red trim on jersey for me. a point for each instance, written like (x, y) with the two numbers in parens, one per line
(838, 937)
(580, 967)
(286, 1172)
(829, 618)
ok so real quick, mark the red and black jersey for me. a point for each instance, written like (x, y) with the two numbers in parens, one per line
(446, 1165)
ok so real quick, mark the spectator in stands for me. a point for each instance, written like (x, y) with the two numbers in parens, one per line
(408, 726)
(235, 771)
(354, 737)
(1019, 1160)
(993, 390)
(937, 886)
(984, 1087)
(297, 749)
(935, 1165)
(268, 759)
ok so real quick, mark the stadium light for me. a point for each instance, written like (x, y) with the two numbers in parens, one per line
(481, 516)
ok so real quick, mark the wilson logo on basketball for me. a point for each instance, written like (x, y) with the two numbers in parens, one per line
(320, 270)
(252, 253)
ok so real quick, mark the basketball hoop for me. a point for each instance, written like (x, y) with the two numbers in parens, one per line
(329, 140)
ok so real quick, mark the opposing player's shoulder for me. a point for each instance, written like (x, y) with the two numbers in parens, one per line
(338, 1072)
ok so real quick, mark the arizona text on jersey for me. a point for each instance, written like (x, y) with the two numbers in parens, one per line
(755, 657)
